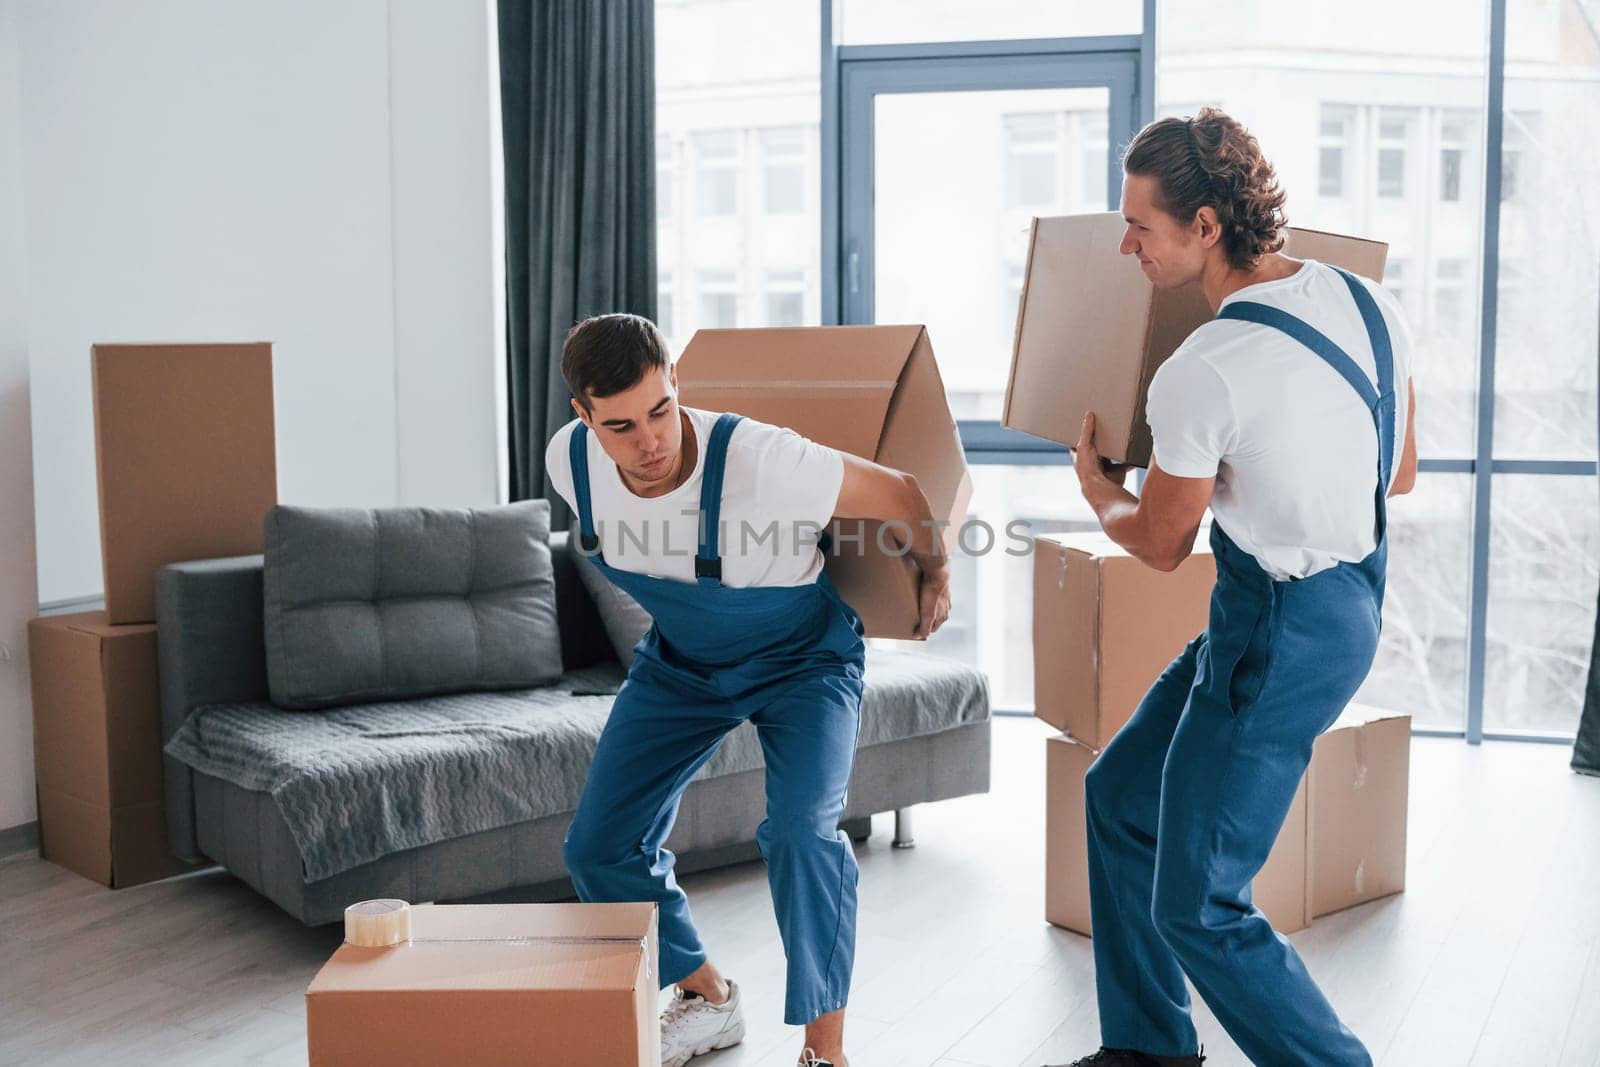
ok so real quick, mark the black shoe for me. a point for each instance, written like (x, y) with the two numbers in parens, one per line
(1127, 1057)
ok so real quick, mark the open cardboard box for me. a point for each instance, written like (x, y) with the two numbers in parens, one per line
(872, 391)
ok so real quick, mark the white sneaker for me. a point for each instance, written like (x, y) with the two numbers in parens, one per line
(692, 1026)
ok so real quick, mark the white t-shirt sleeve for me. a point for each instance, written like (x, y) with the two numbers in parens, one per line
(1192, 424)
(799, 479)
(558, 464)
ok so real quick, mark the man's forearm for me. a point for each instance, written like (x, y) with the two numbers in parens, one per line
(1118, 511)
(926, 536)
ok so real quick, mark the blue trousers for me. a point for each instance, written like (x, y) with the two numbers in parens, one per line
(665, 724)
(1183, 807)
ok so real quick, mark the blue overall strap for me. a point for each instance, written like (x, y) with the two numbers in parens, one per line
(707, 559)
(578, 453)
(1380, 401)
(1383, 358)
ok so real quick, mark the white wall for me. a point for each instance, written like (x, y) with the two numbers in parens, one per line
(18, 588)
(307, 173)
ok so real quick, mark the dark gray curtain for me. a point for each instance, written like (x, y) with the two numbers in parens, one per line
(577, 100)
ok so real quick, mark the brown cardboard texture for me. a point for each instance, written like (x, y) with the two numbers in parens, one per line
(872, 391)
(186, 459)
(1360, 781)
(1092, 330)
(493, 984)
(1282, 889)
(1104, 628)
(97, 748)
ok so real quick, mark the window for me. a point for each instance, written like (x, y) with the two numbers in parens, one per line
(664, 316)
(1450, 305)
(1093, 144)
(1031, 150)
(783, 170)
(666, 169)
(716, 173)
(1455, 134)
(719, 299)
(1394, 280)
(1393, 133)
(786, 298)
(1332, 147)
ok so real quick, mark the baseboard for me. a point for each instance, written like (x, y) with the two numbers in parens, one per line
(20, 839)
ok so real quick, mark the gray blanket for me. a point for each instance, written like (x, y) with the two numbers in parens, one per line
(360, 782)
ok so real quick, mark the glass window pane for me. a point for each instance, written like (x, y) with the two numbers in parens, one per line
(1450, 174)
(1391, 172)
(738, 91)
(949, 228)
(904, 21)
(1421, 667)
(1546, 340)
(719, 299)
(1417, 71)
(1544, 563)
(664, 317)
(991, 575)
(1330, 181)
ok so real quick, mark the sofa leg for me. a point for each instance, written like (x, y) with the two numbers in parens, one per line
(902, 829)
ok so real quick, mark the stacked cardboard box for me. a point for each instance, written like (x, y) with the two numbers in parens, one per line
(185, 458)
(1105, 626)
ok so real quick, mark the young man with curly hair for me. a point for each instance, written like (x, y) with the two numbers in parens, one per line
(1287, 417)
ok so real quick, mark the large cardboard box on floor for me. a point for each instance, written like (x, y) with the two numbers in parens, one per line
(872, 391)
(1360, 783)
(1092, 330)
(185, 453)
(495, 984)
(97, 748)
(1282, 889)
(1104, 628)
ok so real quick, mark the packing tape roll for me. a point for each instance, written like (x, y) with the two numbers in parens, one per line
(377, 923)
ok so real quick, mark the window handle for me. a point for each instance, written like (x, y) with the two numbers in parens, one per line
(853, 272)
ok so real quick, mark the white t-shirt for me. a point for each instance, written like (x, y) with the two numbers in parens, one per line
(779, 490)
(1291, 443)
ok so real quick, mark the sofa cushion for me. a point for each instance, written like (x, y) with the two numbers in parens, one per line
(626, 622)
(392, 603)
(362, 782)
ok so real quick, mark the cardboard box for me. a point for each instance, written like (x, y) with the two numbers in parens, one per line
(97, 748)
(872, 391)
(1092, 330)
(489, 984)
(1360, 781)
(1104, 628)
(1282, 889)
(186, 460)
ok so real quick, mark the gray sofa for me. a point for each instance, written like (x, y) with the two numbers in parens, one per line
(925, 737)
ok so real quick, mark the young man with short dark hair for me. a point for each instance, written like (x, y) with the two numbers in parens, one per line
(710, 521)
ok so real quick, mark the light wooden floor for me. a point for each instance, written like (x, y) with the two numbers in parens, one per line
(1491, 957)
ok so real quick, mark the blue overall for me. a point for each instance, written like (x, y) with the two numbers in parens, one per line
(787, 658)
(1187, 799)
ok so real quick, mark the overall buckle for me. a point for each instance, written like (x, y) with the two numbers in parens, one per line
(708, 568)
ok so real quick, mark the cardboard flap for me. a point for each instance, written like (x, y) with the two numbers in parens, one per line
(832, 384)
